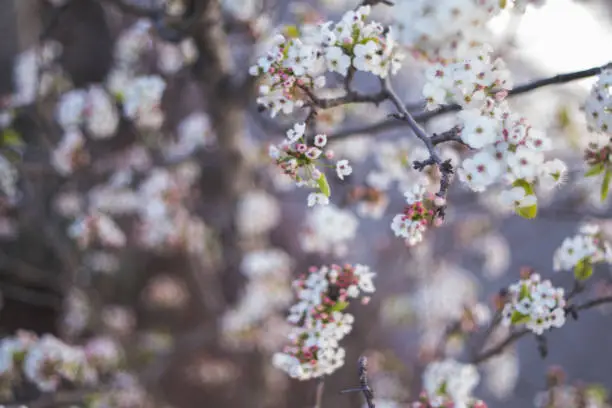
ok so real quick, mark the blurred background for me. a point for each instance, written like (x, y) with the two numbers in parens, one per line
(167, 233)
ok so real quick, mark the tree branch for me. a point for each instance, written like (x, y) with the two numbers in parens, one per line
(425, 116)
(136, 11)
(511, 338)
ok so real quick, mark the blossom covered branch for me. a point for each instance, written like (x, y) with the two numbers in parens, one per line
(426, 116)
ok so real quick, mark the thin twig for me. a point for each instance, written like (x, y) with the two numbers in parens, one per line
(511, 338)
(481, 358)
(368, 393)
(349, 97)
(133, 10)
(445, 167)
(319, 395)
(594, 302)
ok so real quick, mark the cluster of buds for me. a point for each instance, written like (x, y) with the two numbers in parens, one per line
(597, 153)
(535, 303)
(420, 213)
(297, 158)
(320, 321)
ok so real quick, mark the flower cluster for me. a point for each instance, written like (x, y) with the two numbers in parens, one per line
(295, 66)
(535, 303)
(94, 108)
(173, 57)
(598, 148)
(562, 394)
(267, 292)
(328, 230)
(35, 73)
(467, 82)
(298, 158)
(47, 361)
(142, 101)
(598, 104)
(419, 214)
(8, 178)
(441, 30)
(509, 149)
(582, 251)
(258, 212)
(320, 321)
(96, 227)
(449, 383)
(164, 222)
(193, 132)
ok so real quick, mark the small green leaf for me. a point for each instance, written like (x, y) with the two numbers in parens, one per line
(324, 185)
(595, 170)
(119, 97)
(597, 392)
(605, 185)
(11, 138)
(519, 318)
(564, 118)
(340, 306)
(442, 388)
(502, 4)
(524, 292)
(291, 31)
(526, 186)
(528, 212)
(583, 269)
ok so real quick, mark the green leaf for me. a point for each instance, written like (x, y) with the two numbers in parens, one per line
(597, 392)
(442, 388)
(11, 138)
(605, 185)
(583, 269)
(119, 97)
(528, 212)
(519, 318)
(291, 31)
(526, 186)
(595, 170)
(340, 306)
(564, 118)
(524, 292)
(324, 185)
(502, 4)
